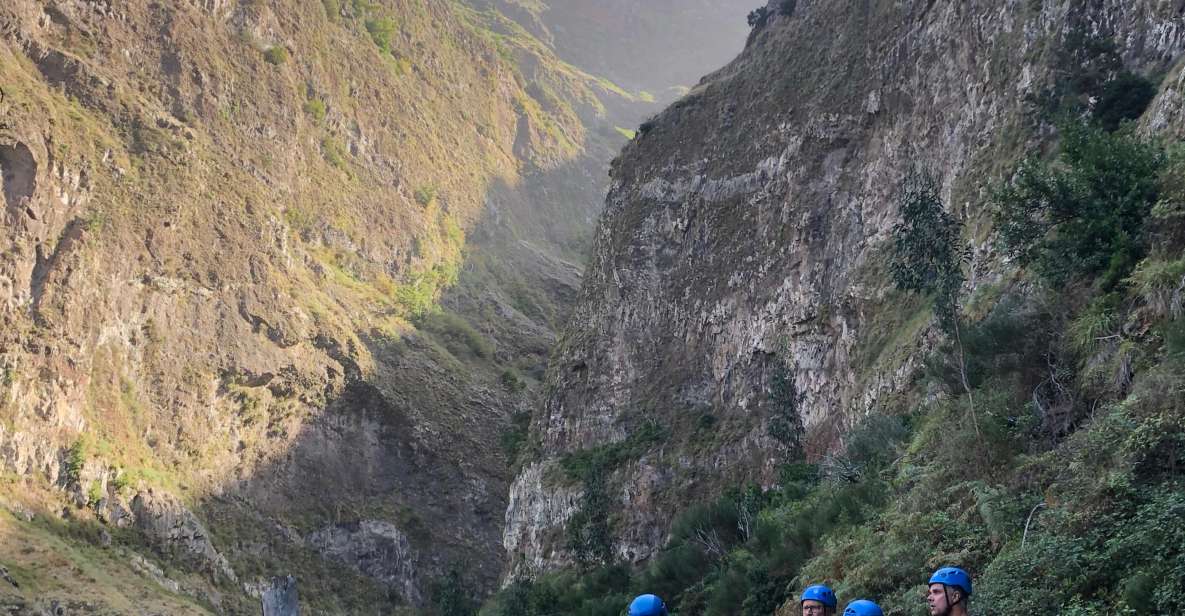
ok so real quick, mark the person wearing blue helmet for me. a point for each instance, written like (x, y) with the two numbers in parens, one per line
(949, 592)
(817, 600)
(863, 607)
(648, 605)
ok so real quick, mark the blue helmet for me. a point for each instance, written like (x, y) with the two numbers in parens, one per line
(648, 605)
(952, 576)
(819, 593)
(863, 607)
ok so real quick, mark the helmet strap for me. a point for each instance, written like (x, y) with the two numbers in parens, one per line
(951, 606)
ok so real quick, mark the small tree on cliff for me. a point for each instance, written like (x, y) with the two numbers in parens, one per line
(928, 256)
(758, 17)
(451, 597)
(927, 248)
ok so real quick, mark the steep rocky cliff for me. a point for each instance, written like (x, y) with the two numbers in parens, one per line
(739, 280)
(278, 284)
(226, 230)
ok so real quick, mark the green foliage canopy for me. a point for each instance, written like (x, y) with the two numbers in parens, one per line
(1082, 214)
(927, 247)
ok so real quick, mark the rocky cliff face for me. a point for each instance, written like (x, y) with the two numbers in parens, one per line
(275, 280)
(742, 246)
(226, 228)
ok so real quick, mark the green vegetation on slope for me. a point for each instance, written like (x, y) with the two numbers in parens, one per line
(1058, 480)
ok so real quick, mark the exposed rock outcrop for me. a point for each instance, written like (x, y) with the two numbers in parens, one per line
(281, 599)
(376, 548)
(177, 531)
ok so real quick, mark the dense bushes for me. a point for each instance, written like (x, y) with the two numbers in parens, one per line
(758, 17)
(451, 597)
(1117, 524)
(735, 554)
(1122, 99)
(1083, 214)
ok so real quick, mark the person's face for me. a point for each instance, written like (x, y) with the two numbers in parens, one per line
(937, 596)
(813, 608)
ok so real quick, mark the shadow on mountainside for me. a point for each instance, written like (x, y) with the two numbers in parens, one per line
(403, 474)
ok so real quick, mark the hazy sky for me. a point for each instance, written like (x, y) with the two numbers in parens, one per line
(648, 44)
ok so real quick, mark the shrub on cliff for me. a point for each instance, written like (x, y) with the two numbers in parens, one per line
(315, 107)
(1084, 213)
(381, 30)
(927, 247)
(758, 17)
(76, 457)
(1122, 99)
(451, 596)
(276, 54)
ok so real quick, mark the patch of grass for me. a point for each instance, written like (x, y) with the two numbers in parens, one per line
(276, 55)
(315, 107)
(1160, 284)
(63, 561)
(382, 30)
(400, 65)
(333, 152)
(425, 195)
(95, 221)
(333, 10)
(457, 335)
(897, 322)
(1095, 324)
(298, 218)
(512, 380)
(595, 461)
(119, 482)
(625, 132)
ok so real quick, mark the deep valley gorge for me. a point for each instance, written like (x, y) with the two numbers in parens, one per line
(527, 307)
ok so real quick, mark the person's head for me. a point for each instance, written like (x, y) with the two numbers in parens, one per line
(817, 600)
(863, 607)
(949, 592)
(648, 605)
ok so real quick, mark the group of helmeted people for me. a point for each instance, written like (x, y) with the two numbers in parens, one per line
(948, 594)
